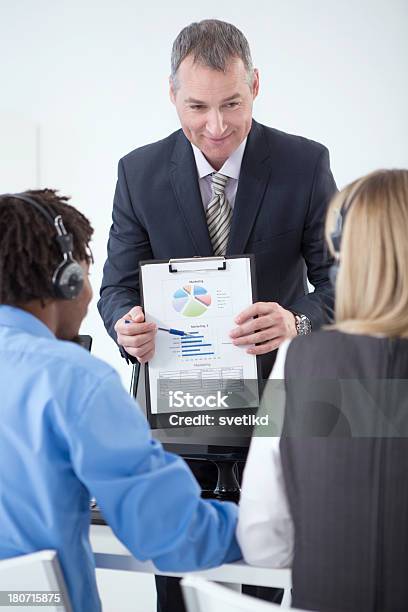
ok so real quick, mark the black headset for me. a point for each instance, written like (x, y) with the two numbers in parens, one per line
(68, 277)
(335, 238)
(336, 234)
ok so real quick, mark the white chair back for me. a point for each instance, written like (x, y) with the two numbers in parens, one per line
(203, 596)
(28, 575)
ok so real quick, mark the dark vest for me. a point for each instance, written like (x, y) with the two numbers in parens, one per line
(344, 453)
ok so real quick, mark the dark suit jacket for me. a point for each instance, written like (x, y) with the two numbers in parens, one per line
(284, 187)
(347, 486)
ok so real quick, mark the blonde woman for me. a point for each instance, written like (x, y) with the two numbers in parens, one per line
(330, 497)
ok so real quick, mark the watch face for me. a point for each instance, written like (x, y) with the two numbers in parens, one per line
(303, 325)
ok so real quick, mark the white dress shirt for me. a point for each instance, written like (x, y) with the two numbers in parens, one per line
(230, 168)
(265, 529)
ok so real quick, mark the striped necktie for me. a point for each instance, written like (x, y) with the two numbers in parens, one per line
(219, 214)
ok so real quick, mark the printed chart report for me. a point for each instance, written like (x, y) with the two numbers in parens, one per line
(196, 354)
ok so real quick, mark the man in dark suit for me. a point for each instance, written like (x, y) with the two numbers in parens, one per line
(223, 184)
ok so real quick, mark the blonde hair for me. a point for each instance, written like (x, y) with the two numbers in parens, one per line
(372, 281)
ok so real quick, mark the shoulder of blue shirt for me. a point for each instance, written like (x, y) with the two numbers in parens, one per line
(65, 356)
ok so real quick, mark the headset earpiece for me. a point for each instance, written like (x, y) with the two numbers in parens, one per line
(68, 280)
(335, 238)
(337, 233)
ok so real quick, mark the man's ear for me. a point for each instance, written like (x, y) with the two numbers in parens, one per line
(255, 83)
(172, 93)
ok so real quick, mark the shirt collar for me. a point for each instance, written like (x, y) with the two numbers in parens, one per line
(231, 167)
(10, 316)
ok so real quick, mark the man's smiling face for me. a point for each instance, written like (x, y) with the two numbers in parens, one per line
(214, 107)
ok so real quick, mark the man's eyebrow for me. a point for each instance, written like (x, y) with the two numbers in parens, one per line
(236, 95)
(195, 101)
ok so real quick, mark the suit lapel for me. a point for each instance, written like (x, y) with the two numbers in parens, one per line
(183, 175)
(253, 179)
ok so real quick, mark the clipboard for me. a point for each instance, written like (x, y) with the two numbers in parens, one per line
(175, 294)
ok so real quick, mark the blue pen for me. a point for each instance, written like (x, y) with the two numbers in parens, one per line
(175, 332)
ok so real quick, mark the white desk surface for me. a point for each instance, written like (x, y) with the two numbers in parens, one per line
(111, 554)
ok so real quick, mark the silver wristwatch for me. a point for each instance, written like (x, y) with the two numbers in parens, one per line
(303, 325)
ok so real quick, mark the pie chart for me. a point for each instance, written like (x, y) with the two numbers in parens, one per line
(191, 300)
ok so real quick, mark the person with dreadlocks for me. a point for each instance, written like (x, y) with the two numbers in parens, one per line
(70, 431)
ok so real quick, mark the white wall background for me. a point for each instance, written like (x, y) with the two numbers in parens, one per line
(83, 82)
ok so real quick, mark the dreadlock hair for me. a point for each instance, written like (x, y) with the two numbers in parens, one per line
(29, 252)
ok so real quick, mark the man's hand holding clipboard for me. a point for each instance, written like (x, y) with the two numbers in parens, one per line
(264, 324)
(135, 335)
(138, 337)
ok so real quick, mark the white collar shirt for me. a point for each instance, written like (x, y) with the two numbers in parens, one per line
(230, 168)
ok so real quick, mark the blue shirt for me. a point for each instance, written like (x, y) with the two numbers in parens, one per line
(69, 431)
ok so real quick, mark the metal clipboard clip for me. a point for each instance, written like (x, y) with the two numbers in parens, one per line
(197, 264)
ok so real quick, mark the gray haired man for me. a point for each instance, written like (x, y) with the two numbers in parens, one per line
(222, 184)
